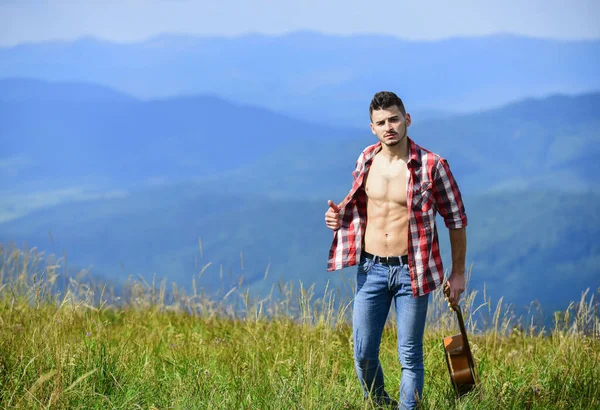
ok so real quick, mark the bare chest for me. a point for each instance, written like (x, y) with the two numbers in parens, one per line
(387, 182)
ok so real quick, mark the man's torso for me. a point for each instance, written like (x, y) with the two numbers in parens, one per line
(385, 186)
(431, 187)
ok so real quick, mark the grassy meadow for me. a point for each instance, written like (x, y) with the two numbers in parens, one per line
(156, 347)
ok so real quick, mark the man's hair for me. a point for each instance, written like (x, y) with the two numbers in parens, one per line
(384, 100)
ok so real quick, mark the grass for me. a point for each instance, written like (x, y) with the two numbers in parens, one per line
(151, 348)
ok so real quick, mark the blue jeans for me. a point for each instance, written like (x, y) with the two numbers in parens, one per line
(377, 286)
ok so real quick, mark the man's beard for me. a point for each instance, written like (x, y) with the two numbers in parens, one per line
(393, 143)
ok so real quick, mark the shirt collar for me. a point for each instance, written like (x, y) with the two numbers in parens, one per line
(414, 157)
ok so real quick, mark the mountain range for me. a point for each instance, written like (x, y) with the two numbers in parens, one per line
(318, 77)
(249, 199)
(58, 135)
(74, 132)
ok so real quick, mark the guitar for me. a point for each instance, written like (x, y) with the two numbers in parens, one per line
(459, 358)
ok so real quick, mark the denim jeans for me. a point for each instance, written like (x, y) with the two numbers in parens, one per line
(377, 286)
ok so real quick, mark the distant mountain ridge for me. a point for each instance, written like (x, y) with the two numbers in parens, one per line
(169, 154)
(67, 134)
(34, 90)
(320, 77)
(525, 145)
(528, 172)
(58, 136)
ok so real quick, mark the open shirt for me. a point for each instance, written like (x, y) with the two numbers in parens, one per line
(431, 188)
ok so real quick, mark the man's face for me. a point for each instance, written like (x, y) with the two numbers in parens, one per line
(390, 125)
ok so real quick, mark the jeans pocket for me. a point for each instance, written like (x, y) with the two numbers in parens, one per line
(362, 270)
(364, 266)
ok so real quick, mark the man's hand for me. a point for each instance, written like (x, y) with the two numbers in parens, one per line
(332, 216)
(454, 287)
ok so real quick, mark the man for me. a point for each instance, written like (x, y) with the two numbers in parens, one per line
(386, 226)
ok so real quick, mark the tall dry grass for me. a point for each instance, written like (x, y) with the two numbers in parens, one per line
(79, 344)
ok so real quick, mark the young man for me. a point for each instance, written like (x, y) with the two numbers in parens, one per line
(386, 226)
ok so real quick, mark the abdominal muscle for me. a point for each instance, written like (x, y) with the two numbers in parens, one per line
(386, 233)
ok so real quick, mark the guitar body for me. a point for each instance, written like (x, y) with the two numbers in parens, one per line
(459, 359)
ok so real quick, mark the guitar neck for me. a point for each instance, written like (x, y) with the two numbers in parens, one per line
(463, 329)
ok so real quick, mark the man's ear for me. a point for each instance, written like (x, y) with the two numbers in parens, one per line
(373, 129)
(408, 120)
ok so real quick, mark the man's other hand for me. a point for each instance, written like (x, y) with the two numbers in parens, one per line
(332, 216)
(454, 287)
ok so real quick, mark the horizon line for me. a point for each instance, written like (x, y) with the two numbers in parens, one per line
(173, 34)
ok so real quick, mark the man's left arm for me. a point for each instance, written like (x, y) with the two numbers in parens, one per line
(456, 281)
(450, 206)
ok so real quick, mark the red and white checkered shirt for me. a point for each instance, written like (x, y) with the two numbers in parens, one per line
(431, 189)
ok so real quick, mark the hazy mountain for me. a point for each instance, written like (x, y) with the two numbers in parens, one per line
(31, 90)
(323, 78)
(77, 142)
(57, 135)
(525, 145)
(262, 179)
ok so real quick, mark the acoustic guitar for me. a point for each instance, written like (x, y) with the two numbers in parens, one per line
(459, 358)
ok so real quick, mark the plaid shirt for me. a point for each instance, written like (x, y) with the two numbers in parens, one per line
(431, 189)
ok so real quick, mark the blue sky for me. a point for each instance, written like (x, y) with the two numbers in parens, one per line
(133, 20)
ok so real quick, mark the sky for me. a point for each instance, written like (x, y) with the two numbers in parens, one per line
(135, 20)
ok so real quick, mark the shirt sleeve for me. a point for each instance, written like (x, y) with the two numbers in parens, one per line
(447, 196)
(358, 168)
